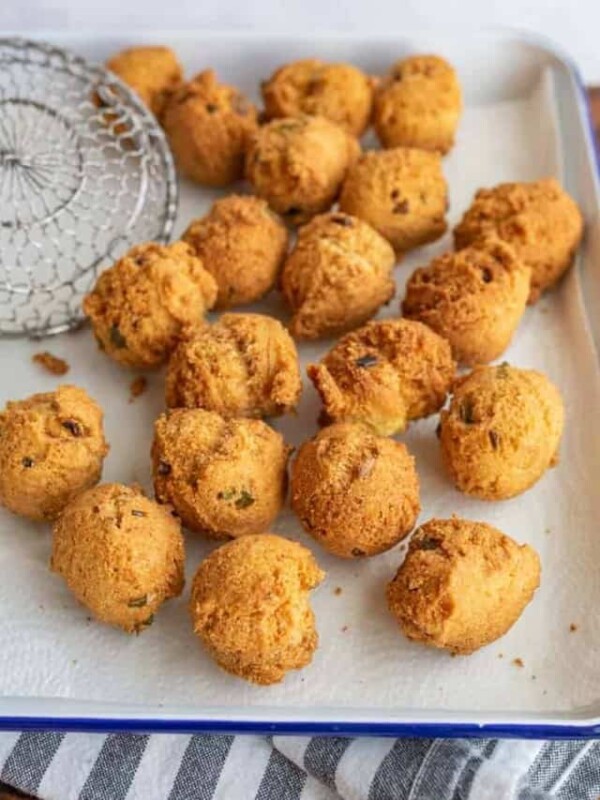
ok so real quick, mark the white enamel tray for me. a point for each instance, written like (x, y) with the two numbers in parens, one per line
(525, 118)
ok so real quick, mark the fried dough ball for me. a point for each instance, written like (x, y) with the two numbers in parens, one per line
(120, 554)
(462, 585)
(245, 365)
(502, 431)
(52, 447)
(143, 304)
(418, 105)
(339, 92)
(337, 276)
(356, 493)
(250, 606)
(298, 164)
(474, 298)
(224, 478)
(152, 72)
(242, 243)
(539, 220)
(384, 375)
(208, 125)
(402, 193)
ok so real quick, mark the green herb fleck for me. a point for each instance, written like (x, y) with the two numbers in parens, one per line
(429, 544)
(145, 623)
(465, 412)
(116, 337)
(138, 602)
(228, 494)
(244, 500)
(27, 462)
(494, 439)
(357, 552)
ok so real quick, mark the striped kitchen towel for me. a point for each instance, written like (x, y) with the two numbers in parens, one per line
(56, 766)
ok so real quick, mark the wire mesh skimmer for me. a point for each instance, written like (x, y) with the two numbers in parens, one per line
(85, 172)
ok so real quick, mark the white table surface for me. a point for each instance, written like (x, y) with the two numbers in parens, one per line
(574, 24)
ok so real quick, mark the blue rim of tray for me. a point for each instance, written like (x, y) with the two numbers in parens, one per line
(345, 728)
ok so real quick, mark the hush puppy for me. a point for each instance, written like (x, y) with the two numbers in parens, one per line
(474, 298)
(356, 493)
(339, 92)
(224, 478)
(52, 447)
(242, 243)
(501, 432)
(245, 365)
(120, 554)
(208, 125)
(541, 222)
(462, 585)
(250, 607)
(384, 375)
(297, 164)
(337, 276)
(402, 193)
(141, 306)
(152, 72)
(418, 105)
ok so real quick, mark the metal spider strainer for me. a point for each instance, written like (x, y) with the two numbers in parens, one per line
(85, 173)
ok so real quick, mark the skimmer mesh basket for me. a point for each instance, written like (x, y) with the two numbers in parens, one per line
(85, 173)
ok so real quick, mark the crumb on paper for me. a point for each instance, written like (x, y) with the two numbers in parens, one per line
(573, 627)
(548, 530)
(344, 628)
(52, 364)
(534, 677)
(337, 590)
(137, 387)
(518, 662)
(500, 655)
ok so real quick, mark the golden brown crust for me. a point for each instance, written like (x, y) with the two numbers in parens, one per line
(143, 304)
(52, 447)
(120, 554)
(462, 585)
(242, 243)
(224, 478)
(152, 72)
(401, 192)
(209, 125)
(339, 92)
(250, 607)
(384, 375)
(337, 276)
(245, 365)
(418, 105)
(501, 432)
(474, 298)
(540, 221)
(356, 493)
(298, 164)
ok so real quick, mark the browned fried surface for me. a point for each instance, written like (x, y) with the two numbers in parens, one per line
(143, 305)
(474, 298)
(401, 192)
(539, 220)
(242, 243)
(250, 606)
(225, 478)
(462, 585)
(418, 104)
(153, 72)
(244, 365)
(337, 276)
(208, 125)
(339, 92)
(384, 375)
(137, 387)
(356, 493)
(297, 164)
(502, 431)
(52, 447)
(120, 554)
